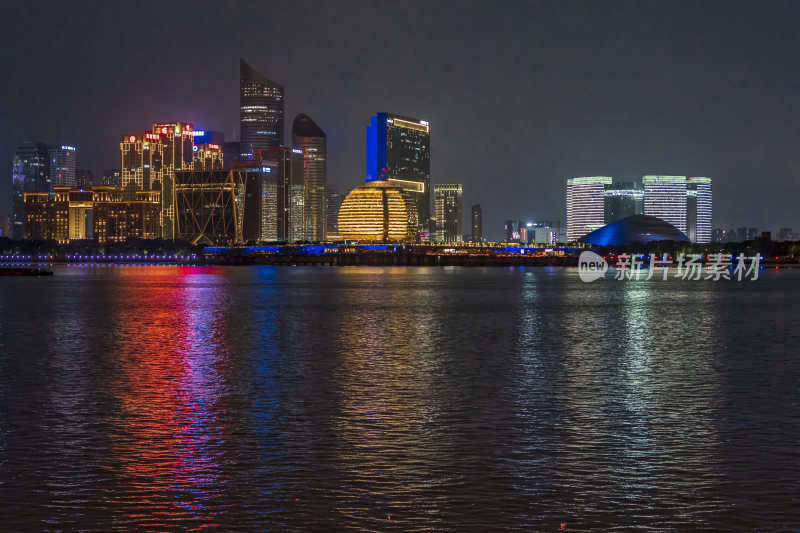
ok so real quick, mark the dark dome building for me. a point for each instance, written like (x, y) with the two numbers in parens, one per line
(637, 228)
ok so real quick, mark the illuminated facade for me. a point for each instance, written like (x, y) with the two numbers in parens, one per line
(142, 162)
(30, 173)
(447, 197)
(207, 157)
(261, 112)
(378, 212)
(585, 205)
(477, 223)
(287, 165)
(62, 166)
(177, 140)
(398, 148)
(313, 142)
(698, 209)
(210, 206)
(100, 213)
(665, 198)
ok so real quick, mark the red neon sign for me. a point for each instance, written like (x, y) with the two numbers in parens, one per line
(132, 138)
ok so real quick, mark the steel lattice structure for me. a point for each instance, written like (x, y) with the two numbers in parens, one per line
(210, 206)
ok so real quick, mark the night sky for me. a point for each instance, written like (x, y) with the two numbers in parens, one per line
(520, 95)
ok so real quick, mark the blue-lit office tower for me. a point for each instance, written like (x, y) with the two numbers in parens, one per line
(398, 149)
(698, 209)
(30, 173)
(261, 112)
(313, 142)
(62, 166)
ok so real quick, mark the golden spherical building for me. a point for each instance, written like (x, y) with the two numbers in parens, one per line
(378, 212)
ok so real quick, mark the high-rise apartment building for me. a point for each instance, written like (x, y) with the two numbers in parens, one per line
(261, 112)
(312, 141)
(398, 150)
(477, 223)
(698, 209)
(447, 197)
(665, 198)
(585, 205)
(30, 173)
(62, 166)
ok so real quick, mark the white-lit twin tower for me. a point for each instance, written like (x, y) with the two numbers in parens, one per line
(684, 202)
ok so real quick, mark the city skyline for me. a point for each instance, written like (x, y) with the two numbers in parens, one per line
(704, 116)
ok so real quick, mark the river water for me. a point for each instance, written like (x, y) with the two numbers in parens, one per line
(168, 398)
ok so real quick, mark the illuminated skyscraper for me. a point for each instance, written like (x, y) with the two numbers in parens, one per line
(142, 161)
(313, 142)
(698, 209)
(30, 173)
(62, 166)
(288, 165)
(585, 205)
(665, 198)
(261, 112)
(398, 150)
(178, 141)
(207, 157)
(447, 197)
(477, 223)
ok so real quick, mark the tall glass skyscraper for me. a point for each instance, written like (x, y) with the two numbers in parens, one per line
(698, 209)
(313, 142)
(30, 173)
(665, 198)
(261, 112)
(399, 150)
(447, 197)
(585, 205)
(62, 166)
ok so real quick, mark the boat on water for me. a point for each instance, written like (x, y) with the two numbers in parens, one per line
(17, 271)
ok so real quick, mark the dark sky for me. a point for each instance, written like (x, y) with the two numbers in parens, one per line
(520, 95)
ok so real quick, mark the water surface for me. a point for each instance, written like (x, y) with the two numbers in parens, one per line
(459, 399)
